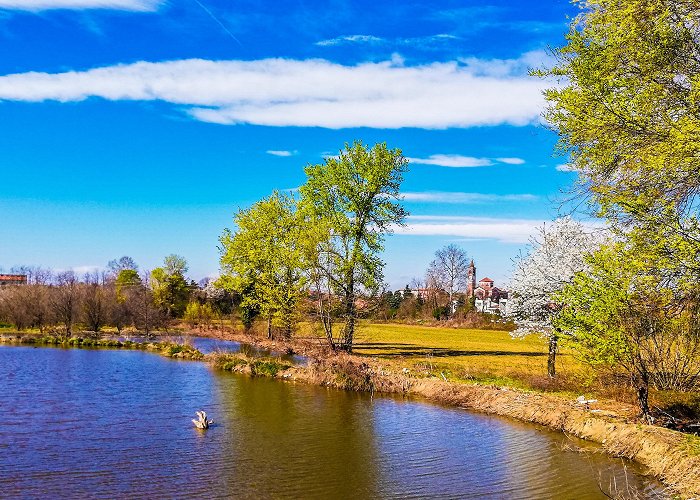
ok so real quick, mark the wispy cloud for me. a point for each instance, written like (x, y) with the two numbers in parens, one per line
(502, 68)
(80, 271)
(275, 152)
(276, 92)
(342, 40)
(565, 167)
(454, 161)
(465, 198)
(459, 161)
(501, 230)
(511, 161)
(39, 5)
(423, 41)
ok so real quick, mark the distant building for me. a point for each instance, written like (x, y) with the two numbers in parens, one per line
(422, 293)
(13, 279)
(489, 298)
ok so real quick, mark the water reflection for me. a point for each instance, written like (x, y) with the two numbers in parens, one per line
(82, 423)
(291, 440)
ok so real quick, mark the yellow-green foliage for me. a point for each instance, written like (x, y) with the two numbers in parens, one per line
(240, 362)
(197, 314)
(693, 443)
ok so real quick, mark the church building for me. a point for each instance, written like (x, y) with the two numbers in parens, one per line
(487, 297)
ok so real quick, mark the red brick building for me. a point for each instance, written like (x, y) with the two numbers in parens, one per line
(13, 279)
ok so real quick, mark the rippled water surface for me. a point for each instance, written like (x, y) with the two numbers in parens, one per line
(100, 423)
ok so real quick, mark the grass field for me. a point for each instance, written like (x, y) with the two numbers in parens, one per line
(467, 354)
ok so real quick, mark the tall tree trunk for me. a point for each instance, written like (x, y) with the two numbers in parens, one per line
(349, 330)
(269, 327)
(641, 384)
(552, 357)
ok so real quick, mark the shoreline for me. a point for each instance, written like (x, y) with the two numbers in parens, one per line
(671, 456)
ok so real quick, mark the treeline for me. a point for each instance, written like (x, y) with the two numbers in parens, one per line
(119, 298)
(433, 306)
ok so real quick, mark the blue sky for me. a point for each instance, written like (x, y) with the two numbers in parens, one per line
(139, 127)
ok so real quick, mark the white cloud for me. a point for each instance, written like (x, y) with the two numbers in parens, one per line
(511, 161)
(80, 271)
(459, 161)
(313, 93)
(465, 198)
(501, 230)
(283, 153)
(454, 161)
(565, 167)
(38, 5)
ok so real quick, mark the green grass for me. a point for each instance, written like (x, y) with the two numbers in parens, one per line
(266, 367)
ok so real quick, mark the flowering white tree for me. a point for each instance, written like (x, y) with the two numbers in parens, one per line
(556, 254)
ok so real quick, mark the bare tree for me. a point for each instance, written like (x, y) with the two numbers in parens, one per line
(95, 301)
(448, 271)
(15, 306)
(35, 275)
(65, 300)
(143, 309)
(30, 302)
(121, 264)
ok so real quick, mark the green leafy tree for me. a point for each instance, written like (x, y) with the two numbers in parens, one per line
(628, 313)
(263, 261)
(171, 292)
(627, 111)
(127, 278)
(198, 314)
(351, 201)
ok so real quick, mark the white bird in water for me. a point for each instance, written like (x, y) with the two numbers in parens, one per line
(202, 422)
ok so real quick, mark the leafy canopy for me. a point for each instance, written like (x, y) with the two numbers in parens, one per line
(263, 259)
(628, 112)
(351, 201)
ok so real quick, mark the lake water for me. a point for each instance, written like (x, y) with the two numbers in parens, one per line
(104, 424)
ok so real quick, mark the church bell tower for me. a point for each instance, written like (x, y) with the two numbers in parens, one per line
(471, 279)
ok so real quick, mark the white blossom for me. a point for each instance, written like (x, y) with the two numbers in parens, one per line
(556, 254)
(213, 292)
